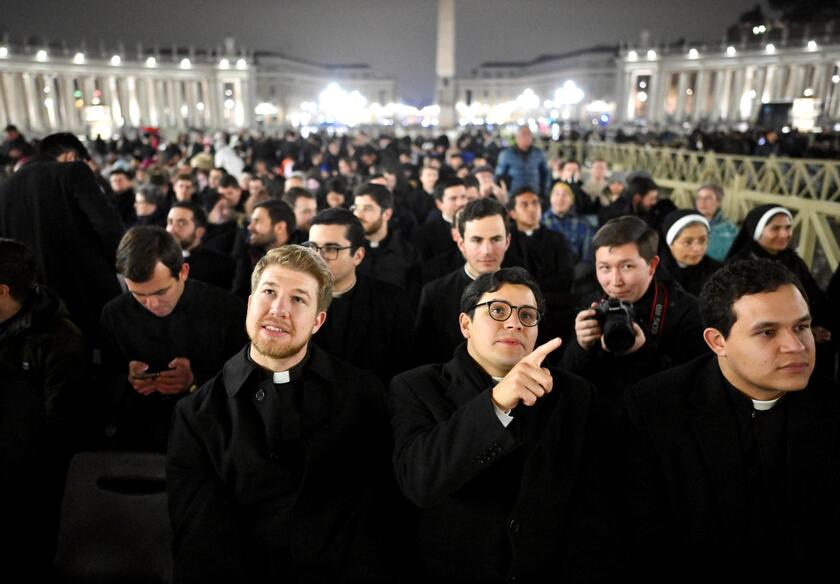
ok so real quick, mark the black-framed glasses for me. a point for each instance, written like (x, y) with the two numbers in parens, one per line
(501, 310)
(328, 252)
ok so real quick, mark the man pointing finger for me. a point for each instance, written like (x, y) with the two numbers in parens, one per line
(490, 445)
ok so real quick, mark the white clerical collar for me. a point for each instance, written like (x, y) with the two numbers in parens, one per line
(185, 253)
(281, 377)
(764, 405)
(468, 272)
(373, 244)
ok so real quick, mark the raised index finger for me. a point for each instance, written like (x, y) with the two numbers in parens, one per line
(541, 352)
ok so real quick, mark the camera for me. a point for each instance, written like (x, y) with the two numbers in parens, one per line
(616, 318)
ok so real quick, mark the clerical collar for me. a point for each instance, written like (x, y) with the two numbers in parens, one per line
(373, 244)
(529, 232)
(185, 253)
(293, 374)
(765, 405)
(468, 272)
(343, 292)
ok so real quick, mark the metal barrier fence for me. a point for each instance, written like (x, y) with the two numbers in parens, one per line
(809, 188)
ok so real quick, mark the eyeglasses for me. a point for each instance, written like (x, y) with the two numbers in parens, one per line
(501, 310)
(328, 252)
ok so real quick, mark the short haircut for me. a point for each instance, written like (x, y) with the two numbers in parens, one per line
(142, 247)
(151, 194)
(199, 214)
(715, 188)
(378, 193)
(628, 229)
(293, 194)
(336, 185)
(741, 278)
(570, 161)
(299, 259)
(121, 171)
(354, 231)
(447, 183)
(495, 280)
(279, 211)
(471, 182)
(527, 189)
(186, 177)
(55, 145)
(479, 209)
(228, 181)
(640, 185)
(17, 268)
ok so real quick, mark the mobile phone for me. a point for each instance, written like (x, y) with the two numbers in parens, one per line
(146, 375)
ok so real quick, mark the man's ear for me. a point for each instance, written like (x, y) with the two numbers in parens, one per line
(359, 255)
(716, 341)
(199, 233)
(653, 263)
(319, 321)
(387, 214)
(184, 273)
(466, 323)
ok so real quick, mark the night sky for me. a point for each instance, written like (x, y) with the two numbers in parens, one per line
(396, 37)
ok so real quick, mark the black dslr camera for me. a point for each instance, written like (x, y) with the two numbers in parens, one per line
(616, 318)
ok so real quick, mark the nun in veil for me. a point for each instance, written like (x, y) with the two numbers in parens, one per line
(685, 241)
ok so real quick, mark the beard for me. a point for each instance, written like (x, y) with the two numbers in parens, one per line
(373, 226)
(271, 349)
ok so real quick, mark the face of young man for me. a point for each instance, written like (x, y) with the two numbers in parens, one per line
(344, 266)
(282, 316)
(622, 272)
(371, 215)
(599, 170)
(183, 190)
(305, 209)
(119, 182)
(428, 178)
(261, 233)
(160, 293)
(770, 347)
(484, 244)
(776, 234)
(527, 212)
(181, 224)
(498, 346)
(453, 199)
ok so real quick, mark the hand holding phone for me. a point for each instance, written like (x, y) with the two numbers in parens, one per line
(141, 379)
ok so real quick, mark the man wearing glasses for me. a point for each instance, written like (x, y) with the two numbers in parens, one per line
(490, 446)
(369, 321)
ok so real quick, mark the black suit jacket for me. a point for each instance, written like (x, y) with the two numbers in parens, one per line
(61, 213)
(436, 330)
(686, 478)
(211, 267)
(242, 510)
(494, 502)
(370, 327)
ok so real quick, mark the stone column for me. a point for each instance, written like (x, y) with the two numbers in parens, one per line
(701, 89)
(682, 85)
(29, 94)
(445, 62)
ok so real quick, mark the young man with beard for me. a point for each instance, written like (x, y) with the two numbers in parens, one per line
(272, 224)
(388, 257)
(278, 466)
(187, 222)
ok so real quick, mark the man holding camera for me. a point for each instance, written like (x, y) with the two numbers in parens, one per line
(642, 323)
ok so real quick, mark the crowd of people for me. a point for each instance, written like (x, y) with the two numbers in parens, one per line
(371, 358)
